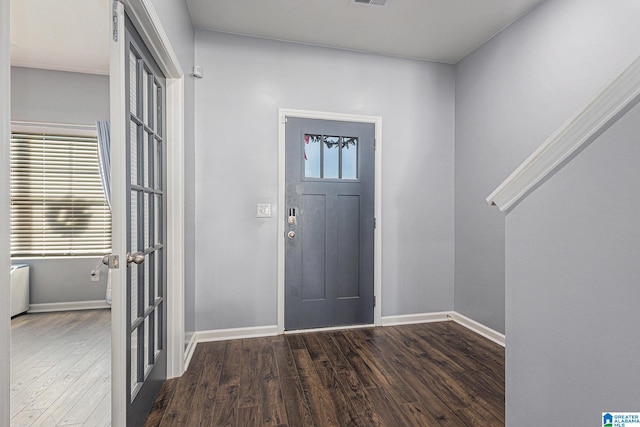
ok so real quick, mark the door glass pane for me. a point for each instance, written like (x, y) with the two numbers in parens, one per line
(156, 340)
(312, 156)
(134, 360)
(152, 156)
(147, 286)
(156, 220)
(157, 161)
(331, 149)
(154, 105)
(145, 160)
(133, 268)
(159, 122)
(152, 257)
(133, 82)
(133, 137)
(349, 158)
(146, 353)
(330, 157)
(145, 96)
(152, 337)
(157, 273)
(152, 212)
(146, 222)
(133, 271)
(134, 222)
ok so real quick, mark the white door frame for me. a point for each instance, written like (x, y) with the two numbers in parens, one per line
(147, 22)
(377, 256)
(5, 300)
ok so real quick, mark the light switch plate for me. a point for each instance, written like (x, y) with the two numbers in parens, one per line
(264, 210)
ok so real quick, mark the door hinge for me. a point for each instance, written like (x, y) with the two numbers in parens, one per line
(114, 19)
(375, 144)
(374, 301)
(375, 222)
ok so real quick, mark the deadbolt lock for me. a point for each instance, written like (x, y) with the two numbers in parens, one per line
(112, 261)
(292, 216)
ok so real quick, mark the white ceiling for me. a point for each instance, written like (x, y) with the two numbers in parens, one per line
(66, 35)
(433, 30)
(73, 35)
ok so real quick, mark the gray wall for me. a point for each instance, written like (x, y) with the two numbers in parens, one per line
(511, 94)
(177, 23)
(245, 81)
(54, 280)
(573, 294)
(60, 97)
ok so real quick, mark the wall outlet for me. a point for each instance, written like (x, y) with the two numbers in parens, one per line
(95, 275)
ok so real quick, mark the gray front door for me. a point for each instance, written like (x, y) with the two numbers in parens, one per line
(329, 214)
(146, 303)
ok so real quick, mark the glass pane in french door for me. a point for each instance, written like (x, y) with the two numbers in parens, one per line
(145, 264)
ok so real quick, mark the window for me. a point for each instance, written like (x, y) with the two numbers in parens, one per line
(58, 206)
(330, 157)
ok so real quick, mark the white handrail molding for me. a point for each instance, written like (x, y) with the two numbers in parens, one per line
(569, 138)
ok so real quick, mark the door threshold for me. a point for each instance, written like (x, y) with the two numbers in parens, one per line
(329, 328)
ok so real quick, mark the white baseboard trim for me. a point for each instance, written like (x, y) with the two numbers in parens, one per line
(479, 329)
(67, 306)
(330, 328)
(188, 352)
(235, 333)
(443, 316)
(409, 319)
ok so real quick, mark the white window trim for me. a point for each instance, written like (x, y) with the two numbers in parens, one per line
(53, 128)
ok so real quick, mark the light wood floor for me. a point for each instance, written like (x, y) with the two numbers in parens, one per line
(434, 374)
(61, 369)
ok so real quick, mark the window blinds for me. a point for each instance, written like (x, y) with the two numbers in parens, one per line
(58, 206)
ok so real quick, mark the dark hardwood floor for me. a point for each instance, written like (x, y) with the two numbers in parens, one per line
(429, 374)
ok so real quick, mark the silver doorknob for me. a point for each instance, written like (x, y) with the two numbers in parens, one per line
(291, 234)
(137, 258)
(105, 259)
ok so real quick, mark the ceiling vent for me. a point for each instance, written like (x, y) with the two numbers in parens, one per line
(371, 2)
